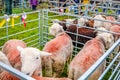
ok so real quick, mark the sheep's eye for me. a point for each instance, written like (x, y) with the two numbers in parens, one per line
(37, 57)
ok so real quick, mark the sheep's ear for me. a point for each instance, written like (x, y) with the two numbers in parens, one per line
(19, 48)
(43, 53)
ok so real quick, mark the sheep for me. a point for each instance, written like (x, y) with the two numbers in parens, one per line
(7, 76)
(118, 18)
(108, 37)
(61, 48)
(80, 21)
(106, 25)
(65, 23)
(116, 28)
(4, 59)
(90, 23)
(21, 57)
(85, 32)
(97, 23)
(10, 48)
(56, 29)
(90, 53)
(31, 60)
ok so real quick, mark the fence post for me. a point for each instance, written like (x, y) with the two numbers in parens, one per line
(39, 30)
(7, 35)
(86, 10)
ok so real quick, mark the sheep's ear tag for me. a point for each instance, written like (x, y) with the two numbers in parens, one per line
(20, 48)
(43, 53)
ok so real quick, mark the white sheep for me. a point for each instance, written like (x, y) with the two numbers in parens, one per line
(98, 23)
(31, 60)
(55, 29)
(23, 58)
(106, 25)
(61, 48)
(108, 37)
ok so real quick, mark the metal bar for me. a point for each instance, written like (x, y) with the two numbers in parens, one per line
(108, 67)
(39, 30)
(15, 72)
(7, 35)
(115, 70)
(99, 61)
(118, 74)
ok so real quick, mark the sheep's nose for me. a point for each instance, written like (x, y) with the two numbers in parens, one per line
(28, 74)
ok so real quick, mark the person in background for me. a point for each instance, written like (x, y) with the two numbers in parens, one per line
(8, 9)
(34, 4)
(22, 3)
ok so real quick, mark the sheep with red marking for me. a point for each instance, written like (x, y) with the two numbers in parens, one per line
(7, 76)
(4, 59)
(116, 29)
(108, 25)
(90, 53)
(10, 50)
(61, 48)
(21, 57)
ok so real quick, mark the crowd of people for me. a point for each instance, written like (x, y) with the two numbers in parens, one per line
(33, 4)
(20, 3)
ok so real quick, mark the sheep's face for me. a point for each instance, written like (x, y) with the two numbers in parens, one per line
(82, 21)
(69, 22)
(108, 37)
(30, 59)
(55, 29)
(98, 23)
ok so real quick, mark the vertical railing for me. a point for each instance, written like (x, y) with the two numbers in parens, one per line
(39, 29)
(7, 34)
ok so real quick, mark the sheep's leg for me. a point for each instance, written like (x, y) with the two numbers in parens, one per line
(68, 61)
(71, 73)
(48, 67)
(58, 68)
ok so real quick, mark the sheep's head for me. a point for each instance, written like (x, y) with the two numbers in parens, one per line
(107, 37)
(55, 29)
(30, 59)
(98, 23)
(82, 21)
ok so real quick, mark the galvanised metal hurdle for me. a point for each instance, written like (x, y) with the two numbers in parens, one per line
(112, 70)
(31, 34)
(38, 35)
